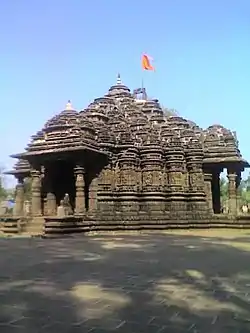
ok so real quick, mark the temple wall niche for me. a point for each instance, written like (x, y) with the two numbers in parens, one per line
(105, 190)
(152, 165)
(185, 177)
(93, 194)
(198, 204)
(127, 189)
(175, 200)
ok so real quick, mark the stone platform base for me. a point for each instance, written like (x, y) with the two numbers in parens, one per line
(53, 226)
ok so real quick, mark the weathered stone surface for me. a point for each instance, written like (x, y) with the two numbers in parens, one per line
(61, 210)
(122, 159)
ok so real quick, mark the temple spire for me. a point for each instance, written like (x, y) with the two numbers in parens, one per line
(69, 106)
(118, 81)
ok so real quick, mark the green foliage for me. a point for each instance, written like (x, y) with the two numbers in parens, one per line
(223, 190)
(245, 195)
(10, 193)
(3, 191)
(244, 190)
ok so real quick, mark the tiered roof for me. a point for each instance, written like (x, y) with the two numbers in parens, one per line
(119, 120)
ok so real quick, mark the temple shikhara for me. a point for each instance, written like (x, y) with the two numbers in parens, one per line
(122, 163)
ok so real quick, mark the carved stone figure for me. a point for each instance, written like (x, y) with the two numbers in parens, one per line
(67, 205)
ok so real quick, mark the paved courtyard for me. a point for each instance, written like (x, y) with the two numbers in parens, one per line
(148, 282)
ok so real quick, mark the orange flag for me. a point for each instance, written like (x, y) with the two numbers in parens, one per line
(145, 62)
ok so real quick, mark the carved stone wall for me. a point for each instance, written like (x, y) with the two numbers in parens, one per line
(93, 190)
(152, 167)
(106, 191)
(198, 205)
(175, 195)
(152, 164)
(127, 188)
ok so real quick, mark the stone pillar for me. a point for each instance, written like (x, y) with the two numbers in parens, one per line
(216, 192)
(51, 204)
(93, 188)
(232, 193)
(19, 200)
(36, 202)
(208, 189)
(80, 190)
(238, 192)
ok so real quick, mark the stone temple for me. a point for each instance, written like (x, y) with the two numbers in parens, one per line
(121, 163)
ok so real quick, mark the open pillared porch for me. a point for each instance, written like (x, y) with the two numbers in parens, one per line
(54, 177)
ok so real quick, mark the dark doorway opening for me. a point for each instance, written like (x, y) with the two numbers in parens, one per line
(63, 180)
(216, 195)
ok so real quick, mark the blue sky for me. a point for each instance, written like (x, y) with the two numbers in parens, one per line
(55, 50)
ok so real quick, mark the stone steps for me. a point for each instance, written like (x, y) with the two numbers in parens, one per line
(34, 226)
(56, 227)
(10, 225)
(70, 225)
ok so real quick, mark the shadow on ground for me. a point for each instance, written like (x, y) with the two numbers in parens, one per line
(126, 283)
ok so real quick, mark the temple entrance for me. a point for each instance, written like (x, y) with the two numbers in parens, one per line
(62, 180)
(224, 192)
(216, 194)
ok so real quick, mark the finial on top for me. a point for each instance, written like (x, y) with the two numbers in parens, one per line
(69, 106)
(118, 81)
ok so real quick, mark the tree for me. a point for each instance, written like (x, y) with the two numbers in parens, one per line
(223, 190)
(245, 183)
(245, 190)
(3, 191)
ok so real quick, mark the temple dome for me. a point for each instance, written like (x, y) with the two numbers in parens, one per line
(119, 89)
(219, 133)
(21, 169)
(60, 132)
(88, 130)
(119, 119)
(150, 107)
(67, 118)
(219, 141)
(105, 137)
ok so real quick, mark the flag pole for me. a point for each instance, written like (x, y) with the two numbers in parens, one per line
(146, 65)
(142, 78)
(143, 89)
